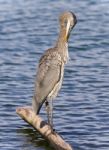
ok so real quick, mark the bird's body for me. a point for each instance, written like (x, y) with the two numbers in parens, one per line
(51, 66)
(49, 76)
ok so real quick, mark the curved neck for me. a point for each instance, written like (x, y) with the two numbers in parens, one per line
(61, 39)
(62, 45)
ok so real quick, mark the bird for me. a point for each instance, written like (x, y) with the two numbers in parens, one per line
(50, 72)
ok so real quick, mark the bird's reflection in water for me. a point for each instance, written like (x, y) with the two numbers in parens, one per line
(32, 139)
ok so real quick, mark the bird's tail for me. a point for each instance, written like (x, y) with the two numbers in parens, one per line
(36, 105)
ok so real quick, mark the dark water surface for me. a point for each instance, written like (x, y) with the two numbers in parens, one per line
(27, 28)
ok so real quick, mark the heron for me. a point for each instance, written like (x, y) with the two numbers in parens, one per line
(51, 66)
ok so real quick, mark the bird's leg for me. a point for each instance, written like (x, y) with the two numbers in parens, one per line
(52, 117)
(49, 109)
(51, 114)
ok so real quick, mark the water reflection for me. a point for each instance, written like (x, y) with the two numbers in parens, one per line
(32, 139)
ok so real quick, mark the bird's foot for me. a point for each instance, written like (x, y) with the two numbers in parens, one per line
(53, 131)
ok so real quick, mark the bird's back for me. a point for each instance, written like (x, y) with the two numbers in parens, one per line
(49, 76)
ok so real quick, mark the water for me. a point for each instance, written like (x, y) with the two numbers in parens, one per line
(27, 29)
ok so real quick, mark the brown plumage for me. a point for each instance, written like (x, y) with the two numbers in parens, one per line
(51, 65)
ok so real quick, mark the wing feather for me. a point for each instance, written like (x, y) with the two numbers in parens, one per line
(48, 75)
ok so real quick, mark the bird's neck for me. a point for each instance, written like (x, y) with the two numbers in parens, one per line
(62, 38)
(62, 46)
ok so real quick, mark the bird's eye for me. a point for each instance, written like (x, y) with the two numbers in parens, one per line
(65, 23)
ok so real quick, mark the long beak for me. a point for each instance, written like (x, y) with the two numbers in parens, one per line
(67, 30)
(68, 27)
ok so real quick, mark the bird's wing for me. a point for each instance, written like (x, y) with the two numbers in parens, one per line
(49, 73)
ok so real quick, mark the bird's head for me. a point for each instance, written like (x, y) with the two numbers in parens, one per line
(67, 22)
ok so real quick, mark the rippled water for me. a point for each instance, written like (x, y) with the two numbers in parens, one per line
(27, 28)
